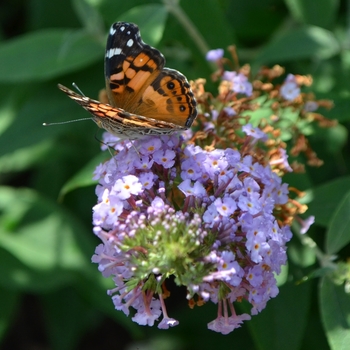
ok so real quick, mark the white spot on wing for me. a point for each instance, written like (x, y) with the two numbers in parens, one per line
(112, 31)
(130, 43)
(122, 29)
(113, 52)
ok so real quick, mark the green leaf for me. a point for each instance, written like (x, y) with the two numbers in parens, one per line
(151, 20)
(23, 158)
(246, 18)
(111, 9)
(306, 42)
(94, 291)
(90, 17)
(34, 142)
(84, 177)
(41, 234)
(18, 276)
(272, 328)
(9, 100)
(282, 278)
(341, 110)
(319, 13)
(46, 54)
(331, 140)
(338, 234)
(301, 254)
(326, 199)
(67, 313)
(8, 305)
(38, 107)
(335, 312)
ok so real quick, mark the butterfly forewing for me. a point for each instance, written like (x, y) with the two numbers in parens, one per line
(130, 66)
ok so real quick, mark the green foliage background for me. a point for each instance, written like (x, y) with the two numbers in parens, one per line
(51, 296)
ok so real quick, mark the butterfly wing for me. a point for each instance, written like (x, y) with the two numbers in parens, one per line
(130, 66)
(120, 122)
(137, 82)
(145, 98)
(169, 98)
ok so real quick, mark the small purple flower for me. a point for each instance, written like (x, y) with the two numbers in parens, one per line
(283, 160)
(109, 141)
(306, 224)
(214, 55)
(99, 171)
(250, 203)
(147, 180)
(192, 189)
(281, 194)
(228, 264)
(158, 203)
(127, 186)
(233, 157)
(208, 126)
(214, 115)
(230, 111)
(290, 89)
(166, 322)
(310, 106)
(164, 158)
(240, 83)
(144, 163)
(229, 75)
(150, 146)
(190, 169)
(225, 206)
(255, 276)
(211, 215)
(147, 315)
(256, 133)
(250, 186)
(108, 210)
(224, 324)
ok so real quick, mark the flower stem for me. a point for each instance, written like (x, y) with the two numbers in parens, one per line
(174, 8)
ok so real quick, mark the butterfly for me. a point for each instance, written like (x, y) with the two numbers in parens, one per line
(144, 97)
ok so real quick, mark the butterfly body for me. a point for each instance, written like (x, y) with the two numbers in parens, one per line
(144, 97)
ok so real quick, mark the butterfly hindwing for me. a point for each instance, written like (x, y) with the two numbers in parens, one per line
(171, 97)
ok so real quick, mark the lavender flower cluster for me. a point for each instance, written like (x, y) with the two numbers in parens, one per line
(290, 89)
(205, 217)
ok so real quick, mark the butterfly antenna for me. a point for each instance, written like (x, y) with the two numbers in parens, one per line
(137, 152)
(111, 150)
(76, 87)
(67, 122)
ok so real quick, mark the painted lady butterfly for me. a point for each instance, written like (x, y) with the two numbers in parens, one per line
(144, 97)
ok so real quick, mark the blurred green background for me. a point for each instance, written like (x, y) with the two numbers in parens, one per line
(51, 295)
